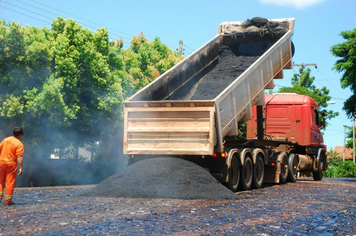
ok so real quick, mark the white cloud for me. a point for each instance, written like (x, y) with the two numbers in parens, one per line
(293, 3)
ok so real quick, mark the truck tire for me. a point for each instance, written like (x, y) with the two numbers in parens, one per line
(318, 175)
(258, 172)
(292, 168)
(246, 173)
(234, 174)
(284, 169)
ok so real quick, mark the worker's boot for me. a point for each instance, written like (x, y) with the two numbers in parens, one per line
(8, 200)
(9, 203)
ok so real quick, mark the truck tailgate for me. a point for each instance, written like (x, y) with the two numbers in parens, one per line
(159, 128)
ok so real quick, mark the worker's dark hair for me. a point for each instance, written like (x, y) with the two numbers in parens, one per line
(17, 131)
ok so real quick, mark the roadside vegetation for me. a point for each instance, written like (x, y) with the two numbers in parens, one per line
(339, 168)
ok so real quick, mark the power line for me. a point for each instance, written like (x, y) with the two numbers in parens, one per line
(334, 130)
(51, 12)
(26, 15)
(89, 26)
(327, 135)
(36, 7)
(328, 80)
(316, 67)
(120, 32)
(188, 47)
(7, 8)
(5, 19)
(339, 99)
(77, 17)
(30, 11)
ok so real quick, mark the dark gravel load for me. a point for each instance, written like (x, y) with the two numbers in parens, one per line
(231, 65)
(162, 177)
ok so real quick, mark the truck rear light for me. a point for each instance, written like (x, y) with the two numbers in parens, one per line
(222, 154)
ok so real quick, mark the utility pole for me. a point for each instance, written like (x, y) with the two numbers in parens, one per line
(343, 157)
(180, 49)
(307, 64)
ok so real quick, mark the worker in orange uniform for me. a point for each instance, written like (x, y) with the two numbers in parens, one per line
(11, 149)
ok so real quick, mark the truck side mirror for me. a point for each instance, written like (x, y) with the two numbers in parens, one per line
(322, 120)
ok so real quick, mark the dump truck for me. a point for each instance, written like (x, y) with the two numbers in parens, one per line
(193, 110)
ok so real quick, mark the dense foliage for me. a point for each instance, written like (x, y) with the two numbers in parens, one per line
(339, 168)
(346, 64)
(66, 86)
(346, 51)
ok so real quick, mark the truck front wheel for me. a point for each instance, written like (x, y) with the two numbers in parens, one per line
(234, 174)
(318, 175)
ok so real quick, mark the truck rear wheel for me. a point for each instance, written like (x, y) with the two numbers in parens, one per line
(258, 172)
(246, 173)
(234, 174)
(292, 168)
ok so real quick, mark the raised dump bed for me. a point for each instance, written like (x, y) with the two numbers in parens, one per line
(190, 109)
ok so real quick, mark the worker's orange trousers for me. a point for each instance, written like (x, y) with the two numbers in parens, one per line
(7, 180)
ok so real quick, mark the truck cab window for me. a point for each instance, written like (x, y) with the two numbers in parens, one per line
(316, 117)
(319, 118)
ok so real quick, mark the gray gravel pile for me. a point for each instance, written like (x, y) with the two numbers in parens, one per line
(231, 65)
(162, 177)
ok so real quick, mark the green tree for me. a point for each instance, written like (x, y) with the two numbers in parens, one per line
(346, 51)
(90, 91)
(66, 86)
(145, 61)
(25, 63)
(57, 84)
(302, 83)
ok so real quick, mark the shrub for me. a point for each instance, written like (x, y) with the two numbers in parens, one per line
(339, 168)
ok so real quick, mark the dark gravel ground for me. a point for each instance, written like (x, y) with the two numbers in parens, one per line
(307, 207)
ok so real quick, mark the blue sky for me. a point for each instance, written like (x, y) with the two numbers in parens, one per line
(318, 24)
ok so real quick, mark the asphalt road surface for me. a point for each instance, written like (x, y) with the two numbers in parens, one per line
(307, 207)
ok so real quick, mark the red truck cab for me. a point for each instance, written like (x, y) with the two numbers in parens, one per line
(290, 117)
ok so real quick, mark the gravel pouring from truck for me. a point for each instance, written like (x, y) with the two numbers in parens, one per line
(194, 108)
